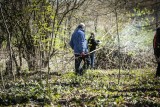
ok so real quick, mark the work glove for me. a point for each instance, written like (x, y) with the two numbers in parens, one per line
(99, 41)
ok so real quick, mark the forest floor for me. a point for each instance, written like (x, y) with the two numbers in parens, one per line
(136, 88)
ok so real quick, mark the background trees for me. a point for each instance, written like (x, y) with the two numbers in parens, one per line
(36, 31)
(34, 37)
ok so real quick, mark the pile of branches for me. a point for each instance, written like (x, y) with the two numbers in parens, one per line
(112, 59)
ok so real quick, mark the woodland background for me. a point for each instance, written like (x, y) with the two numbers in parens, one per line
(35, 35)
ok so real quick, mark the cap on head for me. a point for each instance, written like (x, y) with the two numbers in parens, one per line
(82, 26)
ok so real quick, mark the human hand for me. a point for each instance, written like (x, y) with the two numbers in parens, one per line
(82, 54)
(158, 59)
(98, 41)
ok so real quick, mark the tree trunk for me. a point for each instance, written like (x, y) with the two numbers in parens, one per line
(8, 42)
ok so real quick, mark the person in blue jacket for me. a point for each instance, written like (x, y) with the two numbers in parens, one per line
(79, 44)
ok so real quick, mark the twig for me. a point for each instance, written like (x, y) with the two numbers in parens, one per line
(2, 78)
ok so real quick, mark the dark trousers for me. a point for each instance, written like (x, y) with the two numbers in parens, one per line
(92, 57)
(158, 70)
(78, 68)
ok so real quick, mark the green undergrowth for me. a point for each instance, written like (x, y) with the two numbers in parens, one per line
(136, 88)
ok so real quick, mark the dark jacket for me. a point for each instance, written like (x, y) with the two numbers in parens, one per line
(92, 43)
(78, 42)
(156, 43)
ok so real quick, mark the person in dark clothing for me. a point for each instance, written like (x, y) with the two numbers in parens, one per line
(92, 43)
(156, 47)
(79, 44)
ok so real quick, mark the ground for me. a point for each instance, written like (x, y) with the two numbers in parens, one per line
(136, 88)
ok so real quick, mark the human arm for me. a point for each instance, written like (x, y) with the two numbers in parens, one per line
(95, 42)
(71, 43)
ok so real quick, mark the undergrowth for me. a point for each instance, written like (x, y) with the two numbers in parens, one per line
(94, 88)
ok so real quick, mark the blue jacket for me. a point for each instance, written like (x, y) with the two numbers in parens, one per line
(78, 42)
